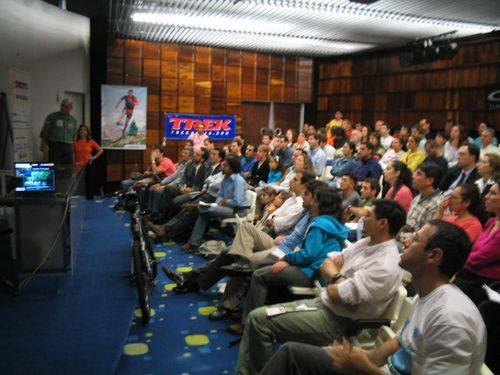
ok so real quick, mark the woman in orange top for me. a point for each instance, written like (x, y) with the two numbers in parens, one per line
(84, 147)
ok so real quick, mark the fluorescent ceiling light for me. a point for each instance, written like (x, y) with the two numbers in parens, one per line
(214, 22)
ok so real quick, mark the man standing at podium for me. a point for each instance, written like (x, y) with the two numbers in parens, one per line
(58, 133)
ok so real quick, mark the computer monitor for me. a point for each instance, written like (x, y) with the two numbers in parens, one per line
(35, 177)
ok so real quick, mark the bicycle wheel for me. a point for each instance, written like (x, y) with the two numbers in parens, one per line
(141, 282)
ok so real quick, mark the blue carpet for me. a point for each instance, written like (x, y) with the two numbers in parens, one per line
(179, 338)
(63, 324)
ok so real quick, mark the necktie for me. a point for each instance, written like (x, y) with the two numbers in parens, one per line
(461, 180)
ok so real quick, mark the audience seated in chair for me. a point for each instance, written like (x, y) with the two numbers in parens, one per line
(363, 280)
(424, 206)
(324, 234)
(444, 332)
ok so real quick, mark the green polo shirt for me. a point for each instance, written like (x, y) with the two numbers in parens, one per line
(58, 128)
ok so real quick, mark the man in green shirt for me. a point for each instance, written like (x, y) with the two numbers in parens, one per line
(58, 132)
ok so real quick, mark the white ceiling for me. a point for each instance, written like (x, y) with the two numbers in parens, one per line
(31, 30)
(301, 27)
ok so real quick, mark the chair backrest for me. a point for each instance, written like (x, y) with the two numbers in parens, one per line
(404, 312)
(326, 176)
(485, 370)
(394, 308)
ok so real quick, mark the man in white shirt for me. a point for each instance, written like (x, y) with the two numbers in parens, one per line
(487, 146)
(363, 280)
(385, 136)
(328, 149)
(444, 333)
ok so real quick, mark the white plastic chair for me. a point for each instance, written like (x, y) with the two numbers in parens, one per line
(237, 220)
(367, 337)
(326, 176)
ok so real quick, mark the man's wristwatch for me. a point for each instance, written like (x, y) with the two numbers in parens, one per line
(336, 277)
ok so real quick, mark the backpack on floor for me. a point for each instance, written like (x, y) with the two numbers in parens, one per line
(210, 249)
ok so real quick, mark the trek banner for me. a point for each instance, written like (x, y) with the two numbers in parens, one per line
(217, 127)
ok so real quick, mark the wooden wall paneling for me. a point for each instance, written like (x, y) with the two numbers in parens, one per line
(233, 82)
(169, 103)
(151, 68)
(154, 136)
(169, 52)
(202, 72)
(290, 77)
(151, 51)
(356, 102)
(203, 89)
(203, 55)
(114, 165)
(116, 48)
(421, 100)
(334, 104)
(114, 79)
(169, 86)
(218, 106)
(133, 49)
(254, 116)
(277, 78)
(133, 161)
(186, 104)
(204, 80)
(186, 87)
(286, 116)
(218, 56)
(322, 103)
(304, 88)
(114, 66)
(153, 84)
(248, 75)
(202, 105)
(263, 77)
(133, 62)
(133, 67)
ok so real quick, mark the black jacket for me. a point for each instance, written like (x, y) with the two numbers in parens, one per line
(452, 174)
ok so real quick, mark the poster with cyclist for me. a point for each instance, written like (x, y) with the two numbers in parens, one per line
(123, 117)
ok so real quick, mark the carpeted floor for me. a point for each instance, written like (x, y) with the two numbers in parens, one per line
(179, 339)
(63, 324)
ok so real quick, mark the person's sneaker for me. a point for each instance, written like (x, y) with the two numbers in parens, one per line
(236, 329)
(237, 269)
(174, 275)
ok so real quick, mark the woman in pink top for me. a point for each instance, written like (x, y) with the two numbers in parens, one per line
(398, 176)
(465, 204)
(483, 264)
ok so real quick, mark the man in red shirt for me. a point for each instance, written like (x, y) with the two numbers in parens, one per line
(161, 167)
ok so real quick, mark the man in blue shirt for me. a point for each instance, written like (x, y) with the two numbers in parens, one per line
(283, 151)
(318, 156)
(343, 165)
(232, 199)
(367, 166)
(249, 160)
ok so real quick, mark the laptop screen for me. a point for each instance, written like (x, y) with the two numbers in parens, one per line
(33, 177)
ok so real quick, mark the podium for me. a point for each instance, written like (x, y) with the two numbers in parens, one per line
(37, 222)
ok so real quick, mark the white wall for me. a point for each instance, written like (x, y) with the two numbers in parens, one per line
(51, 45)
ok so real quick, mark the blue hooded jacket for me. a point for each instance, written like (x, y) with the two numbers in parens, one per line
(324, 235)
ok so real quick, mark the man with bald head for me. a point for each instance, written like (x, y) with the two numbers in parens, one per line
(58, 133)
